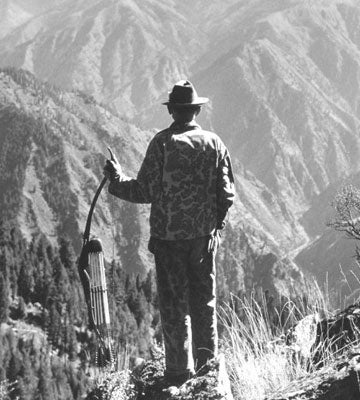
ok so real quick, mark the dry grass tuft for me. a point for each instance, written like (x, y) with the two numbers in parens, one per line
(260, 358)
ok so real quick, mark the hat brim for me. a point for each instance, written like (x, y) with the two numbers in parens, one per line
(198, 102)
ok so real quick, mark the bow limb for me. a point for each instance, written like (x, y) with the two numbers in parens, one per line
(86, 235)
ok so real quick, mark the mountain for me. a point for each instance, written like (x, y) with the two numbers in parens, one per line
(282, 78)
(284, 88)
(107, 48)
(285, 95)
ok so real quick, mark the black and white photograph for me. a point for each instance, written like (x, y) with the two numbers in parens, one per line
(180, 199)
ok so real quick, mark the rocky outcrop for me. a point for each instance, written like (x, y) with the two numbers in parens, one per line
(147, 383)
(330, 347)
(338, 381)
(337, 334)
(334, 355)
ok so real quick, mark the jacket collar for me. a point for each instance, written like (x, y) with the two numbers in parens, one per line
(187, 126)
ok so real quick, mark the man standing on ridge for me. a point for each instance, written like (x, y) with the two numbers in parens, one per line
(186, 175)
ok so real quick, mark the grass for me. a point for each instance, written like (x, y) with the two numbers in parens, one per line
(260, 359)
(263, 360)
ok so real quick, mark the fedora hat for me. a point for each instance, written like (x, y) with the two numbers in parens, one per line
(184, 94)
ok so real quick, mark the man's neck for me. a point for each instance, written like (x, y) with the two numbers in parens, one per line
(184, 120)
(184, 126)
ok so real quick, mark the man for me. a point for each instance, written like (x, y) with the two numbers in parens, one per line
(186, 176)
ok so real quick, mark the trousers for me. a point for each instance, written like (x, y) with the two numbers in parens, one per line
(185, 271)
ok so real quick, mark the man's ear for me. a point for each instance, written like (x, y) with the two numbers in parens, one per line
(170, 109)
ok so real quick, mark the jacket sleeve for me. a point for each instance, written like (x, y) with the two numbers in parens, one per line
(225, 189)
(147, 186)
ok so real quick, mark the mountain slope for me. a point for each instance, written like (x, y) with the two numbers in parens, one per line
(123, 52)
(282, 78)
(285, 95)
(63, 139)
(48, 186)
(15, 13)
(291, 122)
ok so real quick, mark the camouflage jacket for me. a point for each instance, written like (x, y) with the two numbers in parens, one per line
(186, 175)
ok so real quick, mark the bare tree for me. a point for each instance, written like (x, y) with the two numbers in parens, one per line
(347, 207)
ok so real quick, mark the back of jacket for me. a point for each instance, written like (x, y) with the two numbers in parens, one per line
(186, 176)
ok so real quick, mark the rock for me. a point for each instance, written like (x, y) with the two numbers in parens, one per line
(212, 384)
(303, 336)
(149, 384)
(335, 340)
(335, 358)
(339, 381)
(337, 333)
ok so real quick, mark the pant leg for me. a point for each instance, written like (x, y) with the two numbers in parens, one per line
(202, 301)
(171, 259)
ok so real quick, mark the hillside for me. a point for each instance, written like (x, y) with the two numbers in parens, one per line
(47, 350)
(63, 139)
(53, 149)
(64, 136)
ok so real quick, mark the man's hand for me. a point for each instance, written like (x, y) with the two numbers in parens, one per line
(112, 168)
(214, 241)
